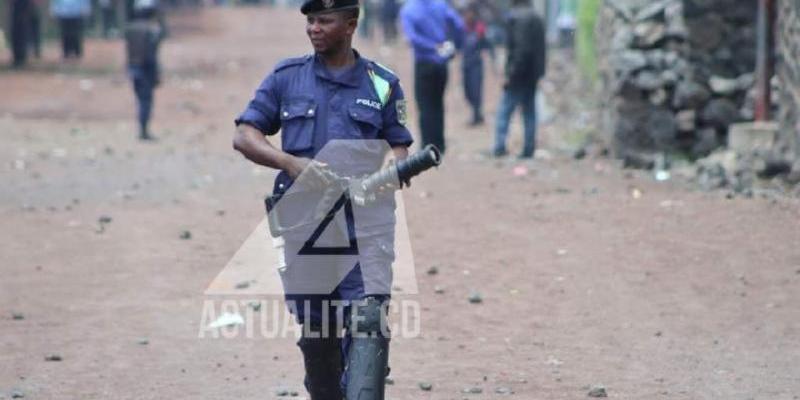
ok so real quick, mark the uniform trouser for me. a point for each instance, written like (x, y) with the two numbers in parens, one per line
(334, 361)
(19, 30)
(72, 36)
(144, 82)
(473, 89)
(513, 98)
(430, 81)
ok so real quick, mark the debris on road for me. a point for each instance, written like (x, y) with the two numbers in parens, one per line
(475, 298)
(226, 320)
(425, 386)
(186, 235)
(53, 358)
(597, 391)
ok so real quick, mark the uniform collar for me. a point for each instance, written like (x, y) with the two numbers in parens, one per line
(352, 77)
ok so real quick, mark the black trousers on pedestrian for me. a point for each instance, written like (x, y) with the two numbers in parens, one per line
(72, 37)
(430, 81)
(20, 18)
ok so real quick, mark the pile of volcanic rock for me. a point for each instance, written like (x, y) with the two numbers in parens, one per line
(675, 74)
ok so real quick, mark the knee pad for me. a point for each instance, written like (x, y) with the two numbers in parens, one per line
(368, 318)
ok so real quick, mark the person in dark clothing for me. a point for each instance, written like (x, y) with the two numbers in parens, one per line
(35, 41)
(108, 12)
(475, 41)
(143, 36)
(70, 15)
(525, 66)
(20, 30)
(390, 11)
(435, 31)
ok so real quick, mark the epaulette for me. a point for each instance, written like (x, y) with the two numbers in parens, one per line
(384, 72)
(291, 62)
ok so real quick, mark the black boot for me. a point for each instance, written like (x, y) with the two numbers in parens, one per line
(323, 362)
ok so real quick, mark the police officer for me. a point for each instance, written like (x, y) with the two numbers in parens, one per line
(313, 101)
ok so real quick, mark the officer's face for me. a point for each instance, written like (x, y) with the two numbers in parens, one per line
(328, 32)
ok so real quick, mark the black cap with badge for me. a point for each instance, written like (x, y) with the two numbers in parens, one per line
(324, 6)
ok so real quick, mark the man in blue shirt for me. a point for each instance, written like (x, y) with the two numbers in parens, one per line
(435, 30)
(316, 102)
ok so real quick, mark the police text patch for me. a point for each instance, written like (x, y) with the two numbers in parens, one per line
(369, 103)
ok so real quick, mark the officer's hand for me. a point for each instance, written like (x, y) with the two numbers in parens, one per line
(312, 174)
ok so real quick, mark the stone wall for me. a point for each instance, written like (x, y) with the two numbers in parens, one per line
(675, 73)
(788, 68)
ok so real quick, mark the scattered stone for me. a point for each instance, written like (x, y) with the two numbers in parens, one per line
(433, 270)
(255, 305)
(282, 392)
(143, 342)
(17, 394)
(186, 235)
(720, 113)
(597, 391)
(389, 381)
(17, 316)
(722, 86)
(579, 154)
(243, 285)
(472, 390)
(426, 386)
(438, 289)
(687, 120)
(504, 390)
(690, 95)
(475, 298)
(53, 358)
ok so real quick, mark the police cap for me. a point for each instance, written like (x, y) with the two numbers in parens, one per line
(324, 6)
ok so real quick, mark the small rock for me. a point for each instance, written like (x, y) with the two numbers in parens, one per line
(243, 285)
(438, 289)
(472, 390)
(16, 316)
(17, 394)
(475, 298)
(143, 342)
(53, 358)
(281, 393)
(425, 386)
(597, 391)
(503, 390)
(579, 154)
(433, 270)
(389, 381)
(255, 305)
(186, 235)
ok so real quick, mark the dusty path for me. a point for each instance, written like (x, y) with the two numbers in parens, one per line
(669, 293)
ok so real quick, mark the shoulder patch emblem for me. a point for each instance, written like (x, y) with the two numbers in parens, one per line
(402, 111)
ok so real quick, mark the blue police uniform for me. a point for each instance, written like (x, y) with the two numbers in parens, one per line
(312, 106)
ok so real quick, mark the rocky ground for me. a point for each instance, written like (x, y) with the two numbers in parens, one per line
(592, 278)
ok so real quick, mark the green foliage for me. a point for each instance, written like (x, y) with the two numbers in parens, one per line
(585, 49)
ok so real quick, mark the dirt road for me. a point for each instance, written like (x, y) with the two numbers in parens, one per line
(589, 274)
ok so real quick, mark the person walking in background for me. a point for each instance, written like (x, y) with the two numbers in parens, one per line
(390, 10)
(475, 41)
(108, 13)
(35, 40)
(525, 65)
(143, 36)
(435, 31)
(20, 31)
(70, 15)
